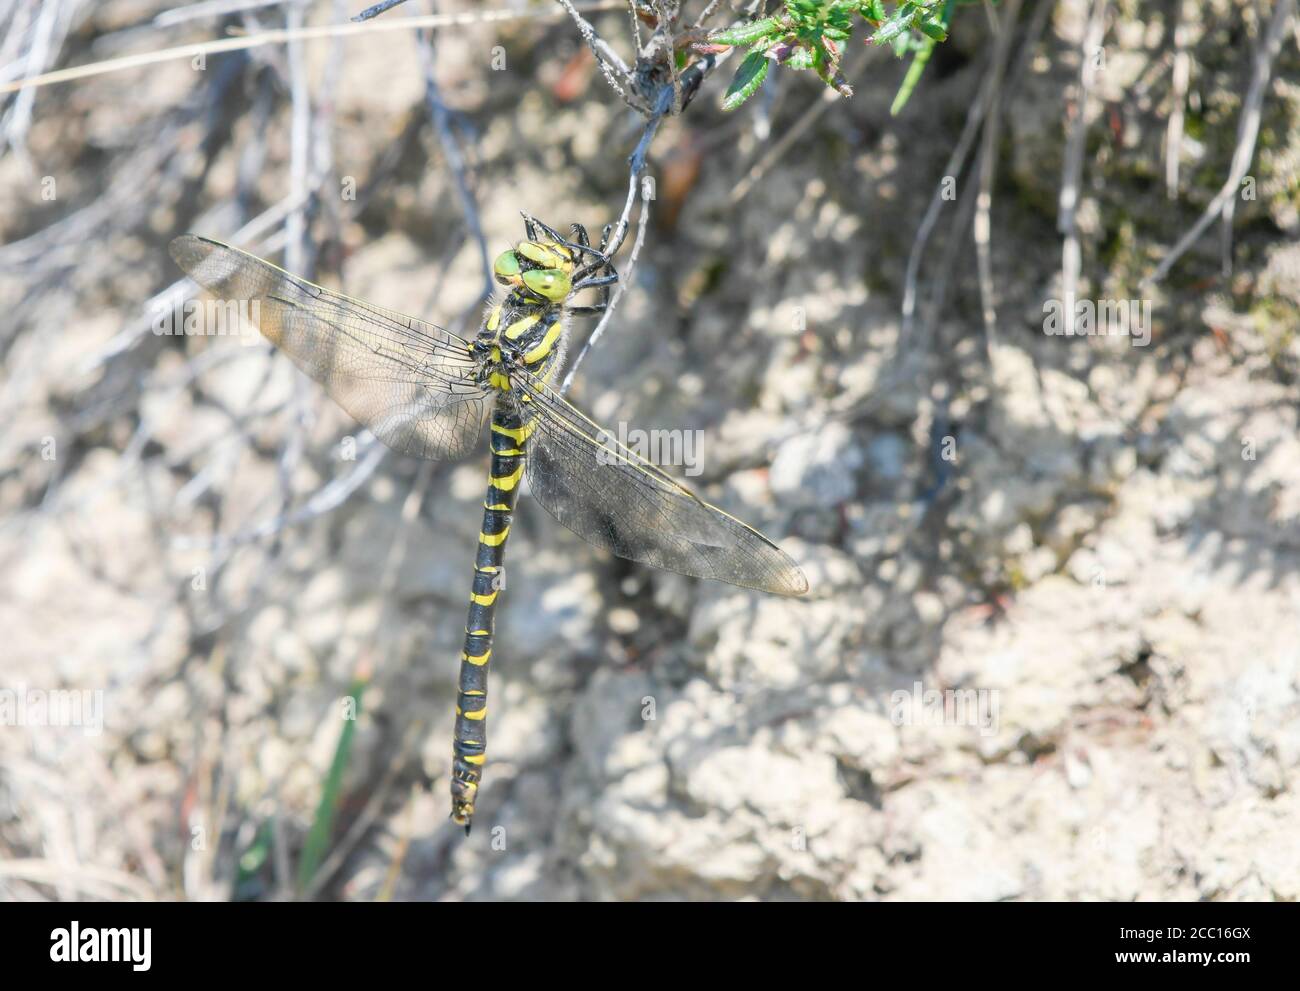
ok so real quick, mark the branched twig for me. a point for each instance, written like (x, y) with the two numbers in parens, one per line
(1068, 201)
(211, 8)
(51, 27)
(981, 229)
(280, 36)
(708, 12)
(377, 9)
(668, 96)
(670, 47)
(1247, 133)
(296, 248)
(692, 79)
(325, 499)
(101, 882)
(608, 60)
(299, 141)
(635, 24)
(636, 166)
(991, 97)
(956, 161)
(1178, 101)
(251, 232)
(636, 162)
(440, 117)
(1230, 204)
(642, 223)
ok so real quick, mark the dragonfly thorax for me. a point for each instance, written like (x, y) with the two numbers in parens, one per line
(519, 332)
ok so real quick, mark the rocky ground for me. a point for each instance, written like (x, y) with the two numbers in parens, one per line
(1094, 548)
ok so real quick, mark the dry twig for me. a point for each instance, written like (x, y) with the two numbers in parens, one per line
(1247, 133)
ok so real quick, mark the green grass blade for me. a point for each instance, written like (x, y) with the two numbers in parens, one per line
(322, 827)
(913, 77)
(936, 31)
(251, 862)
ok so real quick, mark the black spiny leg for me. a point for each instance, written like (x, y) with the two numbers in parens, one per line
(582, 245)
(603, 283)
(532, 225)
(587, 277)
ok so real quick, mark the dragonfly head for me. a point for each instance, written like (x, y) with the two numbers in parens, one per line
(539, 269)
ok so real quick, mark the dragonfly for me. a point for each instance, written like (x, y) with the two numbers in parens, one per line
(426, 392)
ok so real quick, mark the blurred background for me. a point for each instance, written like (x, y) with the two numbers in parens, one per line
(1050, 649)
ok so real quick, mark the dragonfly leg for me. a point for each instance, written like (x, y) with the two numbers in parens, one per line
(592, 283)
(532, 225)
(601, 264)
(581, 244)
(586, 278)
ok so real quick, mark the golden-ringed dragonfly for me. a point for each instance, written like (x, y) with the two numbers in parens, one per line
(424, 391)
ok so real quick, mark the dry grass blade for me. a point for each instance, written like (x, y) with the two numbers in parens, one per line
(278, 37)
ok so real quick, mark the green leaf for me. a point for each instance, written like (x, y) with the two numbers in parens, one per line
(924, 48)
(748, 78)
(322, 827)
(800, 59)
(934, 29)
(746, 33)
(896, 25)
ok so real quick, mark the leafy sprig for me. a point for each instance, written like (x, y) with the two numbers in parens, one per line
(810, 34)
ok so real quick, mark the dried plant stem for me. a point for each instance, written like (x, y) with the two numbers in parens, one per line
(1247, 133)
(281, 36)
(1068, 201)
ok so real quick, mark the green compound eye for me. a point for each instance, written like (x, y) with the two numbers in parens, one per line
(506, 268)
(550, 283)
(539, 254)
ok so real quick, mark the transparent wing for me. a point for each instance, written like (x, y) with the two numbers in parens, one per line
(411, 383)
(609, 496)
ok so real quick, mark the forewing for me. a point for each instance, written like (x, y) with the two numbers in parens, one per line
(616, 500)
(410, 382)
